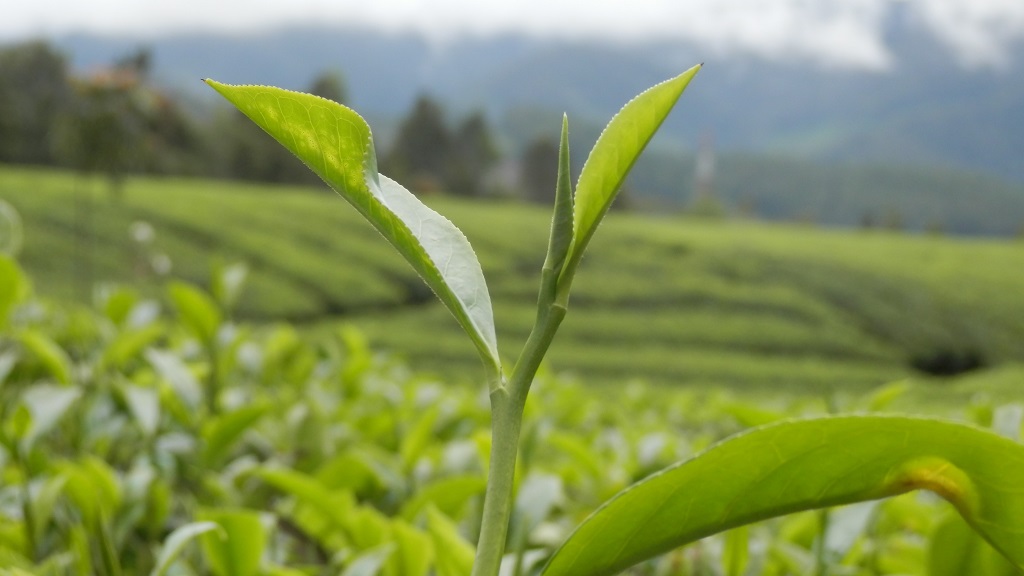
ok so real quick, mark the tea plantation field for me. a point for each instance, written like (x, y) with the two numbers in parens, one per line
(171, 441)
(668, 300)
(189, 421)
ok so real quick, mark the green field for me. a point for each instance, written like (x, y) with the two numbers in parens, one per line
(664, 299)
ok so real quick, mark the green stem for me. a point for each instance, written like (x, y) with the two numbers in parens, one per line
(507, 404)
(108, 553)
(213, 384)
(27, 511)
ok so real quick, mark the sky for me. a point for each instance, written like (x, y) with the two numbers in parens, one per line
(839, 32)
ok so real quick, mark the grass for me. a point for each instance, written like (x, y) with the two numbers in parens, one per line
(664, 299)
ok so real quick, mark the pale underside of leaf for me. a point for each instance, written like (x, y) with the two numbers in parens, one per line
(337, 145)
(801, 465)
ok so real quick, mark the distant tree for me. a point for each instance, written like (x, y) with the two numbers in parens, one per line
(539, 170)
(893, 220)
(423, 148)
(138, 63)
(34, 93)
(104, 126)
(473, 156)
(706, 206)
(330, 85)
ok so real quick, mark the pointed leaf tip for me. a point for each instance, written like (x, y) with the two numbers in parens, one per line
(336, 143)
(614, 154)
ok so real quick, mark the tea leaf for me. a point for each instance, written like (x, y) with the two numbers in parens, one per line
(801, 465)
(336, 144)
(613, 156)
(48, 353)
(47, 404)
(176, 542)
(454, 556)
(238, 549)
(198, 311)
(371, 562)
(13, 286)
(956, 549)
(221, 433)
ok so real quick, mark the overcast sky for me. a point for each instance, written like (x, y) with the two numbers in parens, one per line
(845, 32)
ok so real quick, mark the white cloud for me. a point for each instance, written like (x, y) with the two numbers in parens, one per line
(839, 32)
(978, 30)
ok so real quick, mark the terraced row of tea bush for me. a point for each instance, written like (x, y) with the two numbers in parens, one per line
(665, 299)
(157, 436)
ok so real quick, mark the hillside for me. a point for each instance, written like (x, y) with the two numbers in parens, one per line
(925, 109)
(668, 299)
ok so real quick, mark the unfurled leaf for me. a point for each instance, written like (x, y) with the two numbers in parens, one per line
(129, 344)
(333, 504)
(414, 553)
(453, 555)
(176, 542)
(371, 562)
(49, 354)
(220, 433)
(449, 495)
(956, 550)
(227, 283)
(13, 286)
(93, 487)
(238, 550)
(613, 156)
(174, 371)
(197, 310)
(336, 144)
(144, 404)
(46, 405)
(801, 465)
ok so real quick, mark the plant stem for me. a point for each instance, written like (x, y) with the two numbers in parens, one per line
(27, 511)
(507, 404)
(506, 419)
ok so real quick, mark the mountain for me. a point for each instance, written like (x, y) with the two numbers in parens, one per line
(925, 109)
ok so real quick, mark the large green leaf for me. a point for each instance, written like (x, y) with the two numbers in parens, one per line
(613, 156)
(800, 465)
(236, 549)
(336, 144)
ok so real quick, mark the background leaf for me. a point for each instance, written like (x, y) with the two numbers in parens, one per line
(800, 465)
(177, 540)
(238, 551)
(48, 353)
(198, 311)
(13, 286)
(453, 555)
(336, 144)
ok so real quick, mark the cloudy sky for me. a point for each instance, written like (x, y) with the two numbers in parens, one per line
(843, 32)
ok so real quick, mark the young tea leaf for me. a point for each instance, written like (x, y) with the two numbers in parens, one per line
(237, 548)
(198, 311)
(176, 542)
(801, 465)
(613, 156)
(336, 144)
(13, 286)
